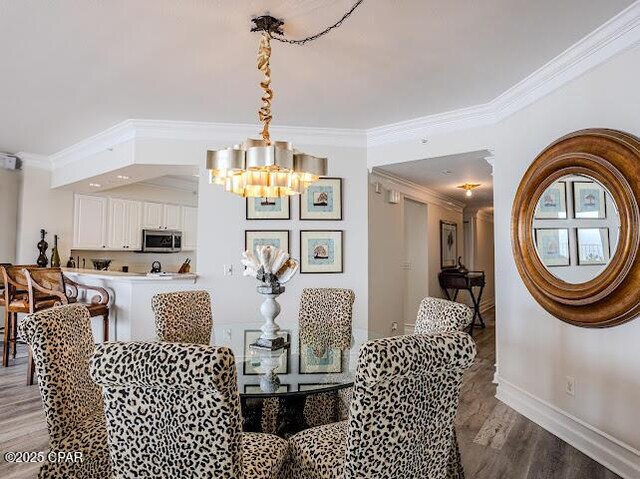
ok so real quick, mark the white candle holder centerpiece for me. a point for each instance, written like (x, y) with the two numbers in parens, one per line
(272, 267)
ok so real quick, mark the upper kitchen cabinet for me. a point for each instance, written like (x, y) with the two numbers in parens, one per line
(172, 217)
(152, 216)
(189, 228)
(89, 222)
(124, 229)
(162, 216)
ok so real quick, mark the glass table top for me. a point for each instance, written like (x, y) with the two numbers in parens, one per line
(289, 371)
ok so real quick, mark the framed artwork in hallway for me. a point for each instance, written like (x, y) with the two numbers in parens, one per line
(448, 244)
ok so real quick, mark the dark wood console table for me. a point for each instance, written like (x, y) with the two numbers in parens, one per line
(455, 280)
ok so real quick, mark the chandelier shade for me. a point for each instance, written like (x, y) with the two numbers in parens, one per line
(259, 169)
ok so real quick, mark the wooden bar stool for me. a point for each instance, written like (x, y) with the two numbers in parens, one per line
(14, 301)
(48, 287)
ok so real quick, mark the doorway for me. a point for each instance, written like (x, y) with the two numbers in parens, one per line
(416, 278)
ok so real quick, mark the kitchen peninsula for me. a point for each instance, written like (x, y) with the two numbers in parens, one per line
(131, 317)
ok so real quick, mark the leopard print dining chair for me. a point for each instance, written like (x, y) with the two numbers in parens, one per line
(324, 318)
(405, 398)
(173, 410)
(437, 315)
(183, 317)
(62, 344)
(325, 321)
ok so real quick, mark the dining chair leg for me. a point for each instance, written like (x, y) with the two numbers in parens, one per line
(31, 368)
(105, 327)
(7, 336)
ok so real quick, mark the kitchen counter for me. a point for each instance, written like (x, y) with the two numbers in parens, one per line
(137, 277)
(130, 314)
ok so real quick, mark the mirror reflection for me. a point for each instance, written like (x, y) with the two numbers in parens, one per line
(576, 228)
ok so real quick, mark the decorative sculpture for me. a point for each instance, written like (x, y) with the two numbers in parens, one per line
(42, 246)
(272, 267)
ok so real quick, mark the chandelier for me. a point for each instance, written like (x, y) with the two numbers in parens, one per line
(263, 168)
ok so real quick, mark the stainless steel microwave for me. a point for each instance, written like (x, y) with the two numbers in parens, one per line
(161, 241)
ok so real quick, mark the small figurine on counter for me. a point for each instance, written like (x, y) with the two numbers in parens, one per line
(71, 263)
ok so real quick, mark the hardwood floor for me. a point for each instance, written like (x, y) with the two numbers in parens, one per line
(495, 441)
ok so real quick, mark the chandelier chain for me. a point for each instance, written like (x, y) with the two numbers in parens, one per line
(317, 35)
(264, 114)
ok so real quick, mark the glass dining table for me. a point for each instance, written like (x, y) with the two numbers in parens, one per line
(284, 380)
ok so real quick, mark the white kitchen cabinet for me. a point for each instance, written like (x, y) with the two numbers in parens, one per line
(134, 223)
(124, 224)
(159, 216)
(89, 222)
(153, 216)
(117, 230)
(189, 228)
(172, 217)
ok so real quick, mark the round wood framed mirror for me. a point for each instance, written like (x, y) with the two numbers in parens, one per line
(576, 228)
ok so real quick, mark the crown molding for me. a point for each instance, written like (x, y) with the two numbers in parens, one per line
(613, 37)
(409, 188)
(33, 160)
(227, 133)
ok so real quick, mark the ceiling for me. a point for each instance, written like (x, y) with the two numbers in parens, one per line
(72, 68)
(178, 177)
(445, 173)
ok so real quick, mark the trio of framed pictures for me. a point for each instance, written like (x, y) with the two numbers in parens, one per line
(553, 246)
(321, 251)
(589, 201)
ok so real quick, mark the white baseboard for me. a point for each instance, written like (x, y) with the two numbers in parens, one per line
(615, 455)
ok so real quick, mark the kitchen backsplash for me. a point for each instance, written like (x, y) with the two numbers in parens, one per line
(137, 262)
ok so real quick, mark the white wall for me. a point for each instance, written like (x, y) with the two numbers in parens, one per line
(9, 198)
(535, 350)
(41, 207)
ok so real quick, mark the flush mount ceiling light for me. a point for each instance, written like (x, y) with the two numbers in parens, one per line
(263, 167)
(469, 187)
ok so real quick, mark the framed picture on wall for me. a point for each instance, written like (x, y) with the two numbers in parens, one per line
(269, 208)
(252, 361)
(593, 246)
(322, 200)
(448, 245)
(255, 238)
(321, 251)
(329, 362)
(552, 205)
(552, 245)
(589, 200)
